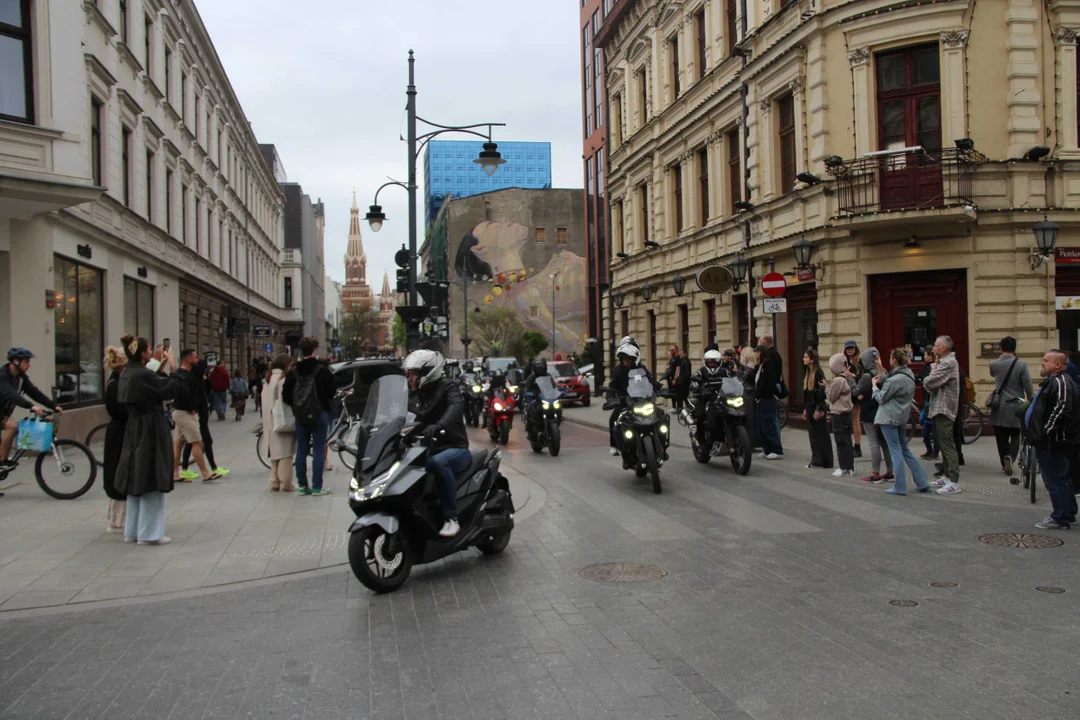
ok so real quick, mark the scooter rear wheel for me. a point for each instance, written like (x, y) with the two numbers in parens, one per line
(496, 544)
(375, 571)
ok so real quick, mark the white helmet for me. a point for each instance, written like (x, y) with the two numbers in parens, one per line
(428, 363)
(630, 351)
(713, 356)
(629, 340)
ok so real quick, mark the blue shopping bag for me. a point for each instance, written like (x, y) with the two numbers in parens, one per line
(35, 435)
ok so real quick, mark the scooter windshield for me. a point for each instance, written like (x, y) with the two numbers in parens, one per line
(639, 385)
(469, 379)
(384, 416)
(547, 388)
(732, 386)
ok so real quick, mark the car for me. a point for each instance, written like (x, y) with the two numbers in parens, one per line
(571, 381)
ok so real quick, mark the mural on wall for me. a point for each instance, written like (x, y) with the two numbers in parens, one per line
(490, 257)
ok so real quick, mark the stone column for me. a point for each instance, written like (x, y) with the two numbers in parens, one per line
(799, 109)
(1023, 70)
(860, 78)
(1066, 84)
(953, 88)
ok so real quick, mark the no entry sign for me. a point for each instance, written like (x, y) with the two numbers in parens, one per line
(773, 284)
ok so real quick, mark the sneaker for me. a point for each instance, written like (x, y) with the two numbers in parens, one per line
(837, 473)
(773, 456)
(614, 452)
(950, 488)
(322, 491)
(222, 471)
(849, 473)
(162, 541)
(188, 475)
(889, 476)
(873, 480)
(1051, 524)
(938, 482)
(892, 491)
(929, 455)
(449, 529)
(761, 456)
(1006, 465)
(8, 465)
(812, 466)
(303, 490)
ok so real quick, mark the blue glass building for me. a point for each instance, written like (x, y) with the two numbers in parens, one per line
(449, 168)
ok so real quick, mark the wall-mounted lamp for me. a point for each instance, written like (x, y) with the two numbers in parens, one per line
(678, 284)
(622, 255)
(804, 258)
(808, 178)
(617, 297)
(1037, 153)
(1046, 235)
(738, 268)
(744, 205)
(646, 291)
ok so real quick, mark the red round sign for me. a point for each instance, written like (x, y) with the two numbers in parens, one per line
(773, 284)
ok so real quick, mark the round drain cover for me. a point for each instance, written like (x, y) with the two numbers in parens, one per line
(943, 584)
(1051, 590)
(903, 603)
(1021, 540)
(622, 572)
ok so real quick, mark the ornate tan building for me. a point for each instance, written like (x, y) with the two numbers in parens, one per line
(385, 338)
(356, 293)
(913, 145)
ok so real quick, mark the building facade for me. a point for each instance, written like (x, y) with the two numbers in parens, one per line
(132, 191)
(384, 339)
(449, 170)
(303, 266)
(355, 293)
(738, 129)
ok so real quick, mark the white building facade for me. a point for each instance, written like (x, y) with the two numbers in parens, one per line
(132, 191)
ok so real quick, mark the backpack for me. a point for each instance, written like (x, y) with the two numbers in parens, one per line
(967, 395)
(305, 402)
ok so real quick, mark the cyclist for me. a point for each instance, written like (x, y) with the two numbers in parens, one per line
(14, 383)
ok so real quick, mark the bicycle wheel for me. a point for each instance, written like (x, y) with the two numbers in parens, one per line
(95, 443)
(973, 423)
(66, 472)
(262, 450)
(783, 415)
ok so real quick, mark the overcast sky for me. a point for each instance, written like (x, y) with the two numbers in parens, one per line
(324, 80)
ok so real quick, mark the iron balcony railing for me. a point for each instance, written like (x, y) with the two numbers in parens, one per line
(905, 179)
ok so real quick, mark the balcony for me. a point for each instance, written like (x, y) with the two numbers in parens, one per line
(911, 178)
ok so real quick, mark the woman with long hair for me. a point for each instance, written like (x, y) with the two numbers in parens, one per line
(853, 362)
(115, 360)
(281, 446)
(894, 393)
(144, 473)
(815, 410)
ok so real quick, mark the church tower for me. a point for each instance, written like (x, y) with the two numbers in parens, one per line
(356, 293)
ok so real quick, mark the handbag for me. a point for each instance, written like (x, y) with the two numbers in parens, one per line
(35, 435)
(994, 399)
(281, 414)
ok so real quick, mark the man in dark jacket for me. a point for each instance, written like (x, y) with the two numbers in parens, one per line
(770, 371)
(14, 383)
(315, 383)
(201, 370)
(188, 398)
(1052, 422)
(439, 406)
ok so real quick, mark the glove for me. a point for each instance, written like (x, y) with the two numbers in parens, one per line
(431, 432)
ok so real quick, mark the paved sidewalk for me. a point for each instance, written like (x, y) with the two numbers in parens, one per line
(54, 552)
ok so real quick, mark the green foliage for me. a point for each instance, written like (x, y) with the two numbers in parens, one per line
(497, 332)
(535, 342)
(397, 330)
(359, 329)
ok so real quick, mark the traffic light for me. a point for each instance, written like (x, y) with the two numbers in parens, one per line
(402, 280)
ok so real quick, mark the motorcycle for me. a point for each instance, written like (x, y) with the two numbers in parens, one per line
(396, 502)
(641, 431)
(717, 420)
(500, 414)
(543, 415)
(473, 393)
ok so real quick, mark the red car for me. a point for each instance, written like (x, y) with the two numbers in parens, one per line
(570, 381)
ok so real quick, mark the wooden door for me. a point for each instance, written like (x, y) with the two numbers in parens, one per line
(802, 335)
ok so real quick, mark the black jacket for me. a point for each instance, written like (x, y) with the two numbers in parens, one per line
(814, 399)
(441, 403)
(187, 392)
(772, 369)
(620, 379)
(114, 434)
(12, 389)
(530, 383)
(324, 382)
(1055, 421)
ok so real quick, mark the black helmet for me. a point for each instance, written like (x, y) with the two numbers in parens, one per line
(539, 367)
(18, 353)
(467, 366)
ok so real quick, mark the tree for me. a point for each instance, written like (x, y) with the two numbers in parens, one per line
(535, 342)
(498, 332)
(397, 330)
(359, 330)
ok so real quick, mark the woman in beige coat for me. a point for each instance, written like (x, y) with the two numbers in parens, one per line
(282, 445)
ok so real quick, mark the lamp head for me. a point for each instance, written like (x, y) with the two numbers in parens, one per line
(375, 217)
(738, 268)
(808, 178)
(744, 205)
(1037, 153)
(646, 291)
(1046, 235)
(489, 159)
(678, 284)
(804, 252)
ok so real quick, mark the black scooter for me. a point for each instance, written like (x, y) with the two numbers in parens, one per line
(397, 506)
(543, 416)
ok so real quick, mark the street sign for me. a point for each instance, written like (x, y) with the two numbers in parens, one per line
(715, 279)
(774, 305)
(268, 348)
(804, 274)
(773, 284)
(262, 331)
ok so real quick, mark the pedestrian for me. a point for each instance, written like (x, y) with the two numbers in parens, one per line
(943, 382)
(852, 360)
(144, 473)
(186, 417)
(815, 409)
(682, 379)
(281, 446)
(201, 370)
(238, 388)
(933, 452)
(309, 389)
(864, 399)
(839, 397)
(219, 389)
(748, 373)
(255, 386)
(1052, 424)
(893, 394)
(1012, 380)
(768, 389)
(115, 360)
(671, 370)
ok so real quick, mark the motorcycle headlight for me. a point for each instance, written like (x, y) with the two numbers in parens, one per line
(476, 388)
(557, 404)
(512, 388)
(629, 434)
(376, 487)
(498, 407)
(663, 429)
(546, 405)
(735, 402)
(645, 410)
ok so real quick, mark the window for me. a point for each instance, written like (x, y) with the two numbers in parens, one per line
(123, 22)
(168, 75)
(590, 95)
(731, 17)
(616, 228)
(703, 185)
(709, 309)
(624, 322)
(95, 141)
(198, 226)
(183, 213)
(643, 201)
(148, 37)
(139, 309)
(643, 98)
(150, 186)
(676, 183)
(541, 235)
(196, 122)
(673, 54)
(734, 169)
(79, 332)
(684, 328)
(702, 42)
(560, 234)
(786, 112)
(616, 122)
(183, 96)
(168, 201)
(288, 292)
(534, 311)
(125, 164)
(16, 74)
(650, 316)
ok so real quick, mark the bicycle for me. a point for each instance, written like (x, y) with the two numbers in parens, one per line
(95, 439)
(71, 457)
(344, 427)
(972, 417)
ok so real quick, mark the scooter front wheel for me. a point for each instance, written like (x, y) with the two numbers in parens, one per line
(373, 565)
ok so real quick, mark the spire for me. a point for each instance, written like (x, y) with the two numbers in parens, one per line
(385, 284)
(356, 243)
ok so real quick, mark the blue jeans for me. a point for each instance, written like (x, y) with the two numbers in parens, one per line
(928, 437)
(768, 426)
(1054, 466)
(220, 401)
(896, 439)
(311, 438)
(145, 519)
(445, 466)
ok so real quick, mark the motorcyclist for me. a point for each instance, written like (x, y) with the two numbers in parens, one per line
(467, 367)
(14, 383)
(627, 356)
(436, 400)
(537, 369)
(497, 382)
(709, 379)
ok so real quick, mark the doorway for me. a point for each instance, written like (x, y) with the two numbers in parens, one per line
(802, 334)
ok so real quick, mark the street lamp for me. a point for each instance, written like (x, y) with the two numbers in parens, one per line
(489, 159)
(617, 297)
(646, 291)
(1046, 235)
(738, 268)
(375, 217)
(678, 284)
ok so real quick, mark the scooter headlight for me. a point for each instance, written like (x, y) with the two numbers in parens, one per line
(736, 402)
(629, 434)
(476, 388)
(557, 404)
(663, 429)
(547, 406)
(376, 487)
(645, 410)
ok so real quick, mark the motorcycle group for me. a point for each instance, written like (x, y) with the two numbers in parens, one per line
(420, 494)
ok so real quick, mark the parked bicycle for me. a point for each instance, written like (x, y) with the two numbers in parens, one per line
(973, 418)
(71, 473)
(95, 439)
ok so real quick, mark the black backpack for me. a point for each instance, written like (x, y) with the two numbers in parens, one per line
(306, 406)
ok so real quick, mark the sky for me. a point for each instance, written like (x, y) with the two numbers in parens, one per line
(324, 81)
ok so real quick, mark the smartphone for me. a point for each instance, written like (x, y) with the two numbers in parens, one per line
(166, 344)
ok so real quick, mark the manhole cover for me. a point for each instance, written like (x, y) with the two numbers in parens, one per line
(903, 603)
(1051, 590)
(943, 584)
(1021, 540)
(622, 572)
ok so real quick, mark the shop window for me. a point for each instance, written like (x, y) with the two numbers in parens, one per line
(139, 308)
(16, 69)
(920, 330)
(786, 111)
(79, 332)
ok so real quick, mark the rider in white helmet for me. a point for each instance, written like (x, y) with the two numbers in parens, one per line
(628, 356)
(439, 406)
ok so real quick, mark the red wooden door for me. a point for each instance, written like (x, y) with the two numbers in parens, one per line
(802, 335)
(911, 310)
